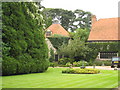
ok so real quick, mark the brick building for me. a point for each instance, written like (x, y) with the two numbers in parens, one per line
(104, 31)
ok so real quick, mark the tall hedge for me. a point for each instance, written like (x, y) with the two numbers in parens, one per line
(24, 46)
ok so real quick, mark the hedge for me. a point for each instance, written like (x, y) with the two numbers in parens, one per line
(81, 71)
(24, 46)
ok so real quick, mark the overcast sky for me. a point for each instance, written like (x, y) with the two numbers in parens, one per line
(100, 8)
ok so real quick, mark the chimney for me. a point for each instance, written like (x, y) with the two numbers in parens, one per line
(94, 19)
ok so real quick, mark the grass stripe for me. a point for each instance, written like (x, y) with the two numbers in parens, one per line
(53, 78)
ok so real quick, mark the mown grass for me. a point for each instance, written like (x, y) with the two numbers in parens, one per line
(53, 78)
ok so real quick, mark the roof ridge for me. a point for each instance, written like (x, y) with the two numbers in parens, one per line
(109, 18)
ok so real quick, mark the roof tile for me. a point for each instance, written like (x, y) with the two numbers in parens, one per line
(58, 29)
(105, 29)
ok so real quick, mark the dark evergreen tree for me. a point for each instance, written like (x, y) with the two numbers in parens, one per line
(70, 20)
(24, 46)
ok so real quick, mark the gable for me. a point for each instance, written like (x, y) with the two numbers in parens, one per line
(58, 29)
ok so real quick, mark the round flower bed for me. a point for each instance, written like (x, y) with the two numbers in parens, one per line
(81, 71)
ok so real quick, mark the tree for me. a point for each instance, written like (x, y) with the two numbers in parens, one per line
(64, 16)
(24, 45)
(77, 45)
(81, 34)
(69, 18)
(75, 48)
(83, 19)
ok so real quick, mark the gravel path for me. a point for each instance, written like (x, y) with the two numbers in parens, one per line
(97, 67)
(101, 67)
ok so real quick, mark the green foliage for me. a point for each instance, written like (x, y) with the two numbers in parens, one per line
(81, 71)
(105, 46)
(65, 16)
(75, 64)
(9, 65)
(24, 45)
(101, 47)
(73, 49)
(63, 61)
(100, 63)
(51, 55)
(54, 64)
(80, 63)
(58, 35)
(48, 20)
(81, 34)
(77, 46)
(83, 19)
(58, 41)
(68, 18)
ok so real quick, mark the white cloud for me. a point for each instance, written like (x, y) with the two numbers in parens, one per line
(101, 8)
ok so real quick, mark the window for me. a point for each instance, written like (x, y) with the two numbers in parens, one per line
(48, 33)
(108, 55)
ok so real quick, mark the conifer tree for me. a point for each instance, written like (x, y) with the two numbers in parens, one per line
(24, 46)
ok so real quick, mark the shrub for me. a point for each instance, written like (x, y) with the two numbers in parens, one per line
(63, 61)
(81, 71)
(54, 64)
(68, 64)
(100, 63)
(107, 63)
(79, 63)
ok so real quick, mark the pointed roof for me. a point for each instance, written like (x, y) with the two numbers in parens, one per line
(105, 29)
(58, 29)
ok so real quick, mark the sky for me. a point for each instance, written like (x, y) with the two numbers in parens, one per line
(100, 8)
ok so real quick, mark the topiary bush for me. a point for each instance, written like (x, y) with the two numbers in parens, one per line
(24, 46)
(81, 71)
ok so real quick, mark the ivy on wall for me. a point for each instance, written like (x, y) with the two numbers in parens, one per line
(58, 41)
(104, 47)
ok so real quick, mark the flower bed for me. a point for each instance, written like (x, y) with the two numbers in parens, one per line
(81, 71)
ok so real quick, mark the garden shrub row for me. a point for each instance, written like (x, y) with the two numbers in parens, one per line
(24, 46)
(80, 63)
(100, 63)
(81, 71)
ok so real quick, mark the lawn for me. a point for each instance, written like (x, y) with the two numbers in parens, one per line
(53, 78)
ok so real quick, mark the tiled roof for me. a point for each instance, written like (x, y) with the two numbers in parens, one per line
(105, 29)
(58, 29)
